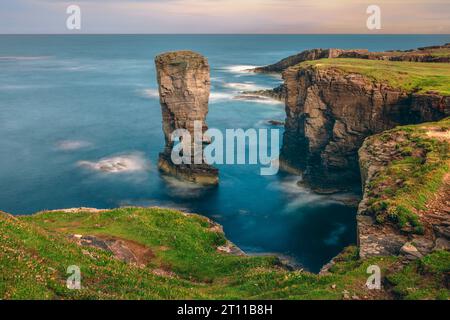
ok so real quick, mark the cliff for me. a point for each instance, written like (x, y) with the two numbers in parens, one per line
(332, 105)
(313, 54)
(406, 182)
(184, 86)
(424, 54)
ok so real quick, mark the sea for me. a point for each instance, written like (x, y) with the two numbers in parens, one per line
(73, 105)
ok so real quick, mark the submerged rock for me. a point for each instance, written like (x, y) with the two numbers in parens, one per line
(184, 87)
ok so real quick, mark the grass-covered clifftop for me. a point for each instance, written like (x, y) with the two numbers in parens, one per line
(416, 77)
(176, 257)
(411, 177)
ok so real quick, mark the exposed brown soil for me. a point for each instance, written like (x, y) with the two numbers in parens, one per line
(123, 249)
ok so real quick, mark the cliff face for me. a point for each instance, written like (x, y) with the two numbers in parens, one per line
(184, 86)
(331, 112)
(406, 204)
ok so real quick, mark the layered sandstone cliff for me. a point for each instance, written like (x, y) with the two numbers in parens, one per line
(330, 112)
(184, 87)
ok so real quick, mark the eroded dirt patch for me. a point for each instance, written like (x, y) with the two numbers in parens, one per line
(443, 135)
(123, 249)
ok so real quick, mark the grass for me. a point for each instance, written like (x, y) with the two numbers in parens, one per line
(35, 252)
(423, 279)
(438, 52)
(403, 188)
(433, 52)
(416, 77)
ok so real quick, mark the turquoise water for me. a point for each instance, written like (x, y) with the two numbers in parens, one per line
(68, 102)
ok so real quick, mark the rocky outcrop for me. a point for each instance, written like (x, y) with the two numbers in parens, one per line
(277, 93)
(122, 249)
(331, 112)
(386, 189)
(184, 86)
(313, 54)
(424, 54)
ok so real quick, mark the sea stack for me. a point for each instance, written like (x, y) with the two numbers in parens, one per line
(184, 86)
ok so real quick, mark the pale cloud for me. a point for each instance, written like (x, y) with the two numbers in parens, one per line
(226, 16)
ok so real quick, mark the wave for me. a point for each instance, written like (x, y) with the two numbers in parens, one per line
(246, 86)
(216, 96)
(184, 189)
(298, 195)
(132, 162)
(70, 145)
(239, 68)
(23, 58)
(257, 99)
(150, 93)
(20, 87)
(335, 235)
(220, 96)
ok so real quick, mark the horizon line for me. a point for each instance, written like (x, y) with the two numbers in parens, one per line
(218, 34)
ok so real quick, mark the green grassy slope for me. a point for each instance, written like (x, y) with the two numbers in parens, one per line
(404, 187)
(410, 76)
(36, 250)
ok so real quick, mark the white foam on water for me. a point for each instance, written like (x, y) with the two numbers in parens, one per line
(133, 162)
(334, 236)
(25, 87)
(70, 145)
(298, 195)
(184, 189)
(257, 99)
(239, 68)
(220, 96)
(215, 97)
(150, 93)
(22, 58)
(244, 86)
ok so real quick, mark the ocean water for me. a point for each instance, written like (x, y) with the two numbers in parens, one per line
(69, 105)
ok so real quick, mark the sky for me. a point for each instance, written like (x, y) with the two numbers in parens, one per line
(225, 16)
